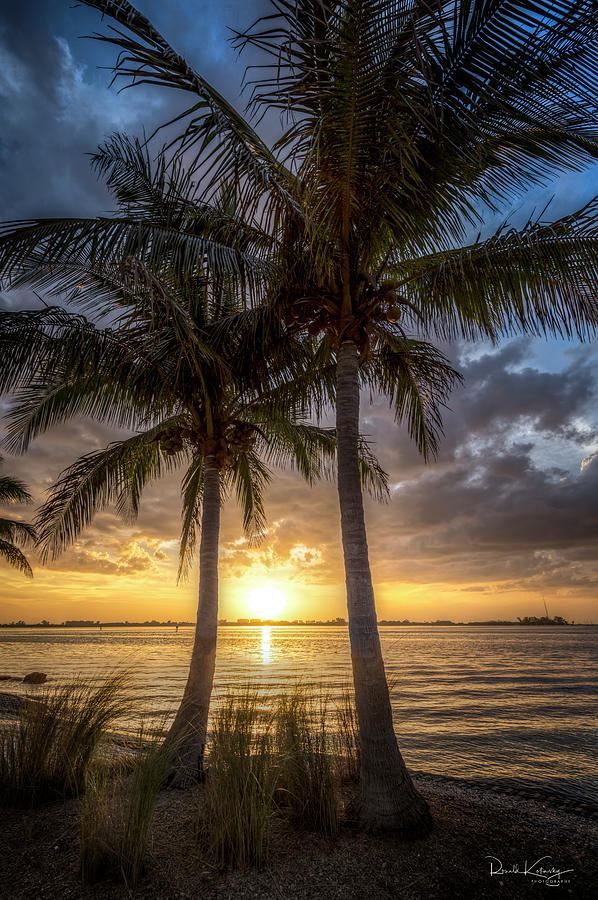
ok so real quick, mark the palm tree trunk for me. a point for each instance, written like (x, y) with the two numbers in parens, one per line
(189, 729)
(388, 800)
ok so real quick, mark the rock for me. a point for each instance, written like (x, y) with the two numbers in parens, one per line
(9, 678)
(35, 678)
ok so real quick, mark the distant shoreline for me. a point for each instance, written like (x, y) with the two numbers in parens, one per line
(336, 623)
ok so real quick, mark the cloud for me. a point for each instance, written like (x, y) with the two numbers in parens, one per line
(494, 514)
(282, 550)
(496, 507)
(93, 556)
(589, 460)
(500, 389)
(57, 103)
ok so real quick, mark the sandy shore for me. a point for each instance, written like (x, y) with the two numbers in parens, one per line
(40, 855)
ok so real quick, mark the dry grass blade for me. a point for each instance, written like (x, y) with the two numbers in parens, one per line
(347, 738)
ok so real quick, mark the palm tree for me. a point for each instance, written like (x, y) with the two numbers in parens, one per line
(224, 431)
(13, 533)
(215, 381)
(211, 416)
(179, 363)
(407, 124)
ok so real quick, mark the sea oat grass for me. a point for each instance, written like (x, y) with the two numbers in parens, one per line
(46, 754)
(346, 738)
(307, 783)
(240, 782)
(117, 812)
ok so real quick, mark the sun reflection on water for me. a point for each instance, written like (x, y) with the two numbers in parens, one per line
(266, 645)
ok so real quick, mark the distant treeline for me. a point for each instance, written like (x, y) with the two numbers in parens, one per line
(88, 623)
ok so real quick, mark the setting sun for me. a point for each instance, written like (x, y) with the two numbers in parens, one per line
(267, 601)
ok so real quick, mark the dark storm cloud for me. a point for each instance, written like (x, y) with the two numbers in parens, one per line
(495, 506)
(53, 112)
(502, 391)
(498, 394)
(56, 105)
(527, 508)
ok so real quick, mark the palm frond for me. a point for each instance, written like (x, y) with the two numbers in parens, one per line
(15, 558)
(15, 532)
(164, 190)
(374, 478)
(250, 475)
(214, 129)
(418, 379)
(309, 449)
(541, 279)
(30, 250)
(29, 345)
(192, 490)
(13, 490)
(115, 475)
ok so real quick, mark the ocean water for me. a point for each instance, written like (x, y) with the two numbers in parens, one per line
(512, 705)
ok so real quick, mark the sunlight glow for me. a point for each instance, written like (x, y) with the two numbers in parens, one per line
(266, 645)
(266, 601)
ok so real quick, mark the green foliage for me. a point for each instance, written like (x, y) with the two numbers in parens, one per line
(406, 124)
(115, 475)
(47, 753)
(184, 363)
(240, 782)
(306, 782)
(117, 811)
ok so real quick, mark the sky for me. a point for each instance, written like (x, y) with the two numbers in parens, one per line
(507, 516)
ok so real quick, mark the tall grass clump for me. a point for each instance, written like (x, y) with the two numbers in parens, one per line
(117, 811)
(47, 753)
(240, 782)
(347, 738)
(307, 784)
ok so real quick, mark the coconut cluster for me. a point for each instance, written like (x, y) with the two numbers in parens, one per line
(231, 438)
(376, 302)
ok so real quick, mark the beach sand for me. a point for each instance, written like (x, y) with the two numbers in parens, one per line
(40, 854)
